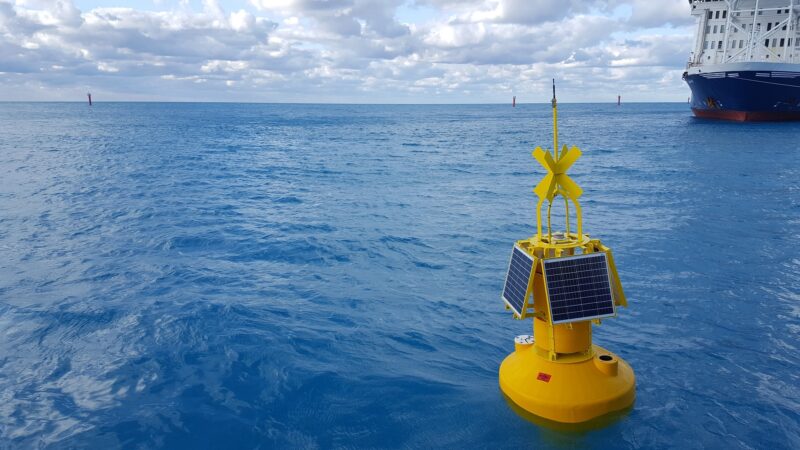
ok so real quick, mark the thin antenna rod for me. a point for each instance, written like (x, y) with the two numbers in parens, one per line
(555, 122)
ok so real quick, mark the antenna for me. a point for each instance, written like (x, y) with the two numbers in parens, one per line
(555, 122)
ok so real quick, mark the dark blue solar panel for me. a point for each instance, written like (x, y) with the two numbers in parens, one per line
(578, 288)
(517, 279)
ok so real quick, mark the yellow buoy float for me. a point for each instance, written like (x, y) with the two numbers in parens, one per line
(564, 281)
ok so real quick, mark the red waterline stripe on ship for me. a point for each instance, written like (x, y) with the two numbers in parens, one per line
(746, 116)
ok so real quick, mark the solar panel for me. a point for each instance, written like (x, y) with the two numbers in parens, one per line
(578, 287)
(518, 279)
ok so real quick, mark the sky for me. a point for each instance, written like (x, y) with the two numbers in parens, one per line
(344, 51)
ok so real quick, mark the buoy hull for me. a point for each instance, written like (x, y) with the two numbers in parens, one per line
(568, 392)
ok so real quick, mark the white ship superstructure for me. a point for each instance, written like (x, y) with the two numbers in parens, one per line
(746, 59)
(731, 31)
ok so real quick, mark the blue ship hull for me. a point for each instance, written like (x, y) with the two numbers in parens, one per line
(745, 95)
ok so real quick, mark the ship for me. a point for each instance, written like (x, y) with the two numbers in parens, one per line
(745, 65)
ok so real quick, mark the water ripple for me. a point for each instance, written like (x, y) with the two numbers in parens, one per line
(292, 276)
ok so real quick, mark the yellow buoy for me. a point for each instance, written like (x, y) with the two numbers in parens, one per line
(564, 281)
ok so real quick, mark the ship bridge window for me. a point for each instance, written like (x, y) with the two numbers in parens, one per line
(769, 26)
(782, 42)
(775, 42)
(741, 43)
(724, 14)
(766, 43)
(717, 15)
(708, 29)
(722, 28)
(711, 14)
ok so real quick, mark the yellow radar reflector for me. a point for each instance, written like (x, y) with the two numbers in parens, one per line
(556, 173)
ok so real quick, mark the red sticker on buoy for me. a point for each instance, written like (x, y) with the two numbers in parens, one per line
(544, 377)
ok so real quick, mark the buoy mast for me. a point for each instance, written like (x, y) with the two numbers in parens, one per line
(554, 103)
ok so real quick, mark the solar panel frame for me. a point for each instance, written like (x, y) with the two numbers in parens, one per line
(604, 307)
(518, 304)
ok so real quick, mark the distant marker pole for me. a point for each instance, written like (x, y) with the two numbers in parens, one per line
(89, 94)
(514, 102)
(619, 100)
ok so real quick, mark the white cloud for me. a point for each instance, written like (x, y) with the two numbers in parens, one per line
(344, 50)
(647, 13)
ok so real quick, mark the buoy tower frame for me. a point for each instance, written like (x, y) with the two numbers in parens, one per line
(557, 373)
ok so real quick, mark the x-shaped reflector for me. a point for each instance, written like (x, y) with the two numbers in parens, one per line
(556, 173)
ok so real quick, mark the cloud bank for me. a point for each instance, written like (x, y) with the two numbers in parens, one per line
(345, 50)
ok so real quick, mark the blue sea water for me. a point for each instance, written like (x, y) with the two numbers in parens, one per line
(328, 276)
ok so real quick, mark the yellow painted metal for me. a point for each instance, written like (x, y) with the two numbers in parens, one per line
(570, 428)
(572, 392)
(562, 376)
(556, 173)
(568, 338)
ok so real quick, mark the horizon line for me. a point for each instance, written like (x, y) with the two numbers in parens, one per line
(331, 103)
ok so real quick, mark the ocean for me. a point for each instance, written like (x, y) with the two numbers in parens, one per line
(328, 276)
